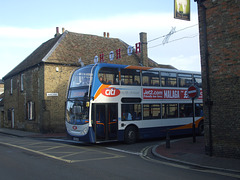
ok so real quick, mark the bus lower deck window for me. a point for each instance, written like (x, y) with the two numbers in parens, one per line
(131, 112)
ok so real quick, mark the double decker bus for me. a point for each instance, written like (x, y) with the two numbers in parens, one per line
(112, 102)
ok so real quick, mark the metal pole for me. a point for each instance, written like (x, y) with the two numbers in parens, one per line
(167, 139)
(193, 124)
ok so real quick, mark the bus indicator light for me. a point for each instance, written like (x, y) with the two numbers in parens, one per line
(110, 92)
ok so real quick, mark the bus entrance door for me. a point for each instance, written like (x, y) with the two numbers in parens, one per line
(105, 121)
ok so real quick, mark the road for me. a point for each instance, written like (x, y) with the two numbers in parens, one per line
(26, 158)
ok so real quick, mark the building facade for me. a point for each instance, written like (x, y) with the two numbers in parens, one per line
(35, 90)
(219, 26)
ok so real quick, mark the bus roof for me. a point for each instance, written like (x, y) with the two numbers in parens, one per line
(144, 68)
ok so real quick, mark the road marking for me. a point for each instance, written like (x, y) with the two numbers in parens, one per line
(35, 143)
(71, 154)
(54, 147)
(96, 159)
(124, 151)
(62, 158)
(37, 152)
(144, 156)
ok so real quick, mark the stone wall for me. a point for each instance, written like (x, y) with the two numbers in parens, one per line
(56, 79)
(20, 96)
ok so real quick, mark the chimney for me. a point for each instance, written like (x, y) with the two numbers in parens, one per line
(104, 34)
(63, 29)
(108, 35)
(57, 32)
(144, 52)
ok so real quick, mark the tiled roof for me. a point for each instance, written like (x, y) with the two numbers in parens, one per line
(75, 45)
(69, 47)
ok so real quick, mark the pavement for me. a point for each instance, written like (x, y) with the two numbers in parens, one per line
(20, 133)
(182, 151)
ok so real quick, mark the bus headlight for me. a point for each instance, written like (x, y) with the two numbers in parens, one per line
(85, 130)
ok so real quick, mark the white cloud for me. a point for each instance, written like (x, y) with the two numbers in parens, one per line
(184, 62)
(129, 24)
(125, 27)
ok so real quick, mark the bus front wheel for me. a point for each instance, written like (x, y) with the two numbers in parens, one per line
(130, 135)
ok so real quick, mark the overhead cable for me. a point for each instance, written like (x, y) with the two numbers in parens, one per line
(174, 40)
(172, 33)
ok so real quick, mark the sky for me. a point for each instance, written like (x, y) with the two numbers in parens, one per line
(26, 24)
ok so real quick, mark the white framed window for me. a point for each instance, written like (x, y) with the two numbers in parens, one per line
(21, 82)
(30, 110)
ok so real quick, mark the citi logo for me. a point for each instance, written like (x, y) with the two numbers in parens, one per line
(110, 92)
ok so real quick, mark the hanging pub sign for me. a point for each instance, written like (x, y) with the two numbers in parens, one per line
(182, 9)
(117, 54)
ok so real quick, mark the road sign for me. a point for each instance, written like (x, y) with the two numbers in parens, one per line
(193, 92)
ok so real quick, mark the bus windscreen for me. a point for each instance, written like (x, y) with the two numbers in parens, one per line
(81, 77)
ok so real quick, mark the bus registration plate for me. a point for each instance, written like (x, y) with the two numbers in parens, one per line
(75, 139)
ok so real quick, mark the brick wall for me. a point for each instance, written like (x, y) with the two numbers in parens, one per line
(223, 42)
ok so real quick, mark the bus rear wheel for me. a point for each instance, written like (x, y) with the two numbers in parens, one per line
(130, 135)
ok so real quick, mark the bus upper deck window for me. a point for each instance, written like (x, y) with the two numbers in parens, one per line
(184, 80)
(108, 76)
(197, 80)
(81, 77)
(168, 79)
(130, 77)
(150, 78)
